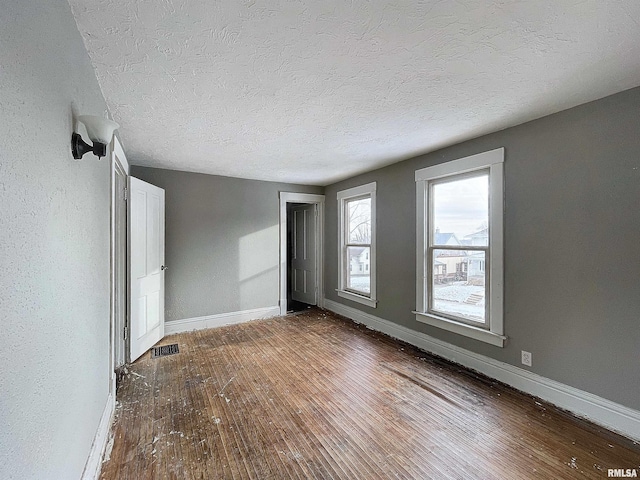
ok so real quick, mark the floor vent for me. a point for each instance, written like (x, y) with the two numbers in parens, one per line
(164, 350)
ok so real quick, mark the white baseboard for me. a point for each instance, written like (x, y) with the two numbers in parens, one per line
(219, 320)
(94, 462)
(611, 415)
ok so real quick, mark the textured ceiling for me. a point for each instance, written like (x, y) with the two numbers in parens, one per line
(315, 91)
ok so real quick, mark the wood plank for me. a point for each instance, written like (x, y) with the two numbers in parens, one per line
(315, 396)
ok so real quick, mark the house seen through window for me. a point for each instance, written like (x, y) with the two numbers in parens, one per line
(459, 230)
(458, 246)
(358, 216)
(357, 244)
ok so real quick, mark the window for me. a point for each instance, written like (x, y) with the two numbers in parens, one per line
(357, 256)
(459, 233)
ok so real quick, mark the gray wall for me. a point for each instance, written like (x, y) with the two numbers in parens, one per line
(572, 239)
(54, 248)
(222, 241)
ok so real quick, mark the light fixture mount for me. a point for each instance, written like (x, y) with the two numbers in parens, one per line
(100, 131)
(79, 147)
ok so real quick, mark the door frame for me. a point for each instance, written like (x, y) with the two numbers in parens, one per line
(118, 160)
(308, 198)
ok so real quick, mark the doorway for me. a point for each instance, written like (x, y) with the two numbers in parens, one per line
(301, 251)
(301, 256)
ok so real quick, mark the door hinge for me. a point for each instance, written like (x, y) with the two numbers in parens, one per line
(126, 332)
(126, 193)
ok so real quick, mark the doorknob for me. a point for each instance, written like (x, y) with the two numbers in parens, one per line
(164, 267)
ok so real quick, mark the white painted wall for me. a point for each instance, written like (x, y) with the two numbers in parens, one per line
(54, 248)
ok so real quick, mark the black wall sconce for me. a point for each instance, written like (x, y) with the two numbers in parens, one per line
(100, 131)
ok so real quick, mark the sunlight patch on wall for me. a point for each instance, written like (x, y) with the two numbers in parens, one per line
(258, 267)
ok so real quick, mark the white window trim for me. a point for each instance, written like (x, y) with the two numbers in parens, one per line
(343, 196)
(492, 160)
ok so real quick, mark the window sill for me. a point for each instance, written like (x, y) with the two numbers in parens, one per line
(357, 298)
(461, 329)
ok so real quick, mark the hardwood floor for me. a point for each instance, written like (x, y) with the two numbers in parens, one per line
(315, 396)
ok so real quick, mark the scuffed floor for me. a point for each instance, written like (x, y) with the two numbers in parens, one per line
(315, 396)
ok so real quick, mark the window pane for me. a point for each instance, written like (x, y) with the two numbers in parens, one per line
(461, 211)
(459, 279)
(359, 221)
(358, 275)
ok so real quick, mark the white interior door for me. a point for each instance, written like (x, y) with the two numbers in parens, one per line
(146, 272)
(303, 261)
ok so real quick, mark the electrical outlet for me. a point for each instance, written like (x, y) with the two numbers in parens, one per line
(526, 358)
